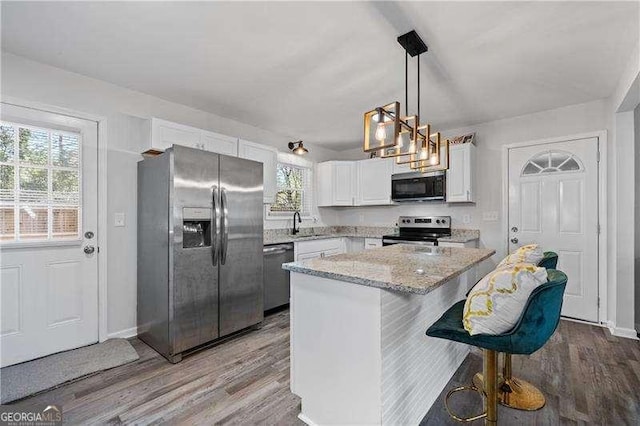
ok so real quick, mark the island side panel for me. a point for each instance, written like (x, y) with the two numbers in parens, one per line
(335, 350)
(416, 368)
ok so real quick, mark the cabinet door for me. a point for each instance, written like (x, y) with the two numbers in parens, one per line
(312, 255)
(370, 243)
(401, 168)
(221, 144)
(343, 183)
(459, 175)
(165, 133)
(269, 158)
(374, 181)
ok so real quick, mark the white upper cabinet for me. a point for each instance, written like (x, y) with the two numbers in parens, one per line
(336, 183)
(222, 144)
(401, 168)
(266, 155)
(374, 181)
(165, 133)
(460, 175)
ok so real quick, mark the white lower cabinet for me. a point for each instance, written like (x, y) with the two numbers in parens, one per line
(319, 248)
(266, 155)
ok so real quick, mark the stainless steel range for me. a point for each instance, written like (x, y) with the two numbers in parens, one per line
(419, 230)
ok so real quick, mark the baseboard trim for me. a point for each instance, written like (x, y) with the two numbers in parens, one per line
(124, 334)
(627, 333)
(306, 419)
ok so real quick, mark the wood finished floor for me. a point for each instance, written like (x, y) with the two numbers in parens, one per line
(587, 375)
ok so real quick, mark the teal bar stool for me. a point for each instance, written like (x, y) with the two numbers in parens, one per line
(514, 392)
(539, 320)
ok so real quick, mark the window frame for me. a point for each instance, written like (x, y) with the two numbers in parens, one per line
(17, 204)
(309, 191)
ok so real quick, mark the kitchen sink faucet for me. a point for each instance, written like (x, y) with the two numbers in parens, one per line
(296, 230)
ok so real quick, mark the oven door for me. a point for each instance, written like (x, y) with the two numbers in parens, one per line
(418, 186)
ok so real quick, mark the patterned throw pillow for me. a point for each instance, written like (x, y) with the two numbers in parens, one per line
(496, 302)
(530, 253)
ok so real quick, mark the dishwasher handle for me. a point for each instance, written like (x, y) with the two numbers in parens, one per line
(277, 249)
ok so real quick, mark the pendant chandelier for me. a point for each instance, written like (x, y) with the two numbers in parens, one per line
(392, 134)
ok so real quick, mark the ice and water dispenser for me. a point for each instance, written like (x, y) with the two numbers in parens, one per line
(196, 227)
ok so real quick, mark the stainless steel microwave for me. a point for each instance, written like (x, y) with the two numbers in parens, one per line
(418, 186)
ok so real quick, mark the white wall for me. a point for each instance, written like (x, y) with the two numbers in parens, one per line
(126, 112)
(624, 100)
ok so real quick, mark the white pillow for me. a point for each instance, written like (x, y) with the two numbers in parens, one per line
(494, 305)
(531, 253)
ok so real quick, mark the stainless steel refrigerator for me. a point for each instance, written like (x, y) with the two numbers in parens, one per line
(200, 222)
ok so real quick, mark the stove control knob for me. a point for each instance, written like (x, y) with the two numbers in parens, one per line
(438, 221)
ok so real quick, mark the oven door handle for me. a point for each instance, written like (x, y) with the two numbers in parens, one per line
(416, 243)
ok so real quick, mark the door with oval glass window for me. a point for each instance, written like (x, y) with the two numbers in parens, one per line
(48, 239)
(553, 201)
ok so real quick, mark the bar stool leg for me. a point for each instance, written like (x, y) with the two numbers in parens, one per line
(517, 393)
(490, 375)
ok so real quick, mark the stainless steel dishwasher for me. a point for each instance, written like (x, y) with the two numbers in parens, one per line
(276, 279)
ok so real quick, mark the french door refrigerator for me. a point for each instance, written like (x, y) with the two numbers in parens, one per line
(200, 224)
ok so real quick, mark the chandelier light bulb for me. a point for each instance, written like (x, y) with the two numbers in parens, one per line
(381, 132)
(433, 159)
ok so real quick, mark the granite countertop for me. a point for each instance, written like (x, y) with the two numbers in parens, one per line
(281, 236)
(400, 267)
(461, 236)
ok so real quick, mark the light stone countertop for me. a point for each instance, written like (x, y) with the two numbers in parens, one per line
(400, 267)
(282, 236)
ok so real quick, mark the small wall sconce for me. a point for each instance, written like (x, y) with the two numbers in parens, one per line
(298, 148)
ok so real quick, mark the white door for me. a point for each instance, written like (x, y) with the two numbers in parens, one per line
(48, 239)
(553, 201)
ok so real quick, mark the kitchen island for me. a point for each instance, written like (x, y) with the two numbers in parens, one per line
(359, 353)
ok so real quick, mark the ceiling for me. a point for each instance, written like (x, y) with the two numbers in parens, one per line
(310, 70)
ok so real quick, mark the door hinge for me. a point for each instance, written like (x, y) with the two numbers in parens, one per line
(598, 156)
(598, 229)
(598, 301)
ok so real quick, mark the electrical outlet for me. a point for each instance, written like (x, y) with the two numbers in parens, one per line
(466, 219)
(119, 220)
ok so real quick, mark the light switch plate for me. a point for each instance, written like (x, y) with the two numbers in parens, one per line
(119, 220)
(490, 216)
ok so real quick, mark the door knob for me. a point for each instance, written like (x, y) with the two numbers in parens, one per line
(514, 240)
(514, 229)
(89, 249)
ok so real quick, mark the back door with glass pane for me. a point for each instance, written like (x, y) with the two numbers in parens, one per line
(48, 218)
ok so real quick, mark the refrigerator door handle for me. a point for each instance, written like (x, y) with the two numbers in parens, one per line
(215, 226)
(225, 226)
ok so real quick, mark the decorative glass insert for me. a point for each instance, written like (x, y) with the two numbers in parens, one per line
(552, 162)
(40, 184)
